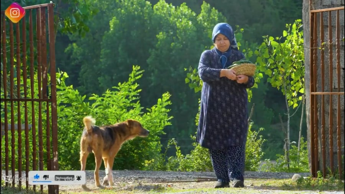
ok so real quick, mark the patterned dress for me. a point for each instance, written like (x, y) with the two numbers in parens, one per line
(223, 111)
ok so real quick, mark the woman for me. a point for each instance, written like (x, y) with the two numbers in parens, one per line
(223, 123)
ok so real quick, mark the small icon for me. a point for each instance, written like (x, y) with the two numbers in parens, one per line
(36, 176)
(78, 178)
(15, 12)
(46, 177)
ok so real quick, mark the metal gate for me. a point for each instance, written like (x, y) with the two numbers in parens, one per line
(327, 91)
(28, 97)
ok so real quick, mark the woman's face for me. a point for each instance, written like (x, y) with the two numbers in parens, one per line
(222, 43)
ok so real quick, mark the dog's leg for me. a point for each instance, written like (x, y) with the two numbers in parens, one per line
(83, 157)
(105, 180)
(110, 172)
(98, 161)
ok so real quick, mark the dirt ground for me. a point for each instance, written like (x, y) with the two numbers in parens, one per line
(185, 182)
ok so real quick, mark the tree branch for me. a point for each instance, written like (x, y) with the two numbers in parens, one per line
(251, 112)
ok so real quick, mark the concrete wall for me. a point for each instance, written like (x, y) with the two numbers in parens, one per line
(321, 4)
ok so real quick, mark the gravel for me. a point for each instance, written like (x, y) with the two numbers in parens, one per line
(145, 181)
(136, 176)
(170, 176)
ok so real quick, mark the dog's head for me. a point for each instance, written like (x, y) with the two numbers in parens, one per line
(136, 129)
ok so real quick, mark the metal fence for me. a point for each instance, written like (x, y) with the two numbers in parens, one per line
(327, 91)
(28, 96)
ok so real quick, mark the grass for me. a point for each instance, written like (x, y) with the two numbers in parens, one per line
(10, 190)
(306, 185)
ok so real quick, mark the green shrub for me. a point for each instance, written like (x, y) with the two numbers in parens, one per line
(199, 158)
(298, 160)
(319, 183)
(115, 105)
(254, 152)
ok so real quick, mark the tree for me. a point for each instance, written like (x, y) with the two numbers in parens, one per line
(178, 45)
(259, 18)
(282, 60)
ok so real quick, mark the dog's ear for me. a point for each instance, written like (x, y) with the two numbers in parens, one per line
(130, 122)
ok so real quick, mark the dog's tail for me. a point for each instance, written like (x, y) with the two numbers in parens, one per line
(89, 122)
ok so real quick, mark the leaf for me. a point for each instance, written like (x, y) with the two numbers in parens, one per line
(284, 33)
(266, 55)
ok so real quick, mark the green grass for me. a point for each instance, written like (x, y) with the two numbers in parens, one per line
(10, 190)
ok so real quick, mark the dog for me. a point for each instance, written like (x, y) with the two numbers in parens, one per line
(105, 142)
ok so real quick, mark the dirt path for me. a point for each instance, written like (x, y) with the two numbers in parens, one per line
(183, 182)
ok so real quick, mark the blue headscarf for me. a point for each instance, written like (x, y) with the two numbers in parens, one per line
(226, 30)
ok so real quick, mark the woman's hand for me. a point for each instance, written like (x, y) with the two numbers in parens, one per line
(242, 79)
(228, 73)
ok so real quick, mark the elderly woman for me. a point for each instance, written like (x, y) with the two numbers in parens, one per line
(223, 123)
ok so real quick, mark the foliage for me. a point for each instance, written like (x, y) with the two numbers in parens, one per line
(116, 106)
(164, 40)
(113, 106)
(299, 160)
(30, 114)
(320, 183)
(282, 59)
(283, 62)
(254, 152)
(70, 16)
(259, 18)
(199, 158)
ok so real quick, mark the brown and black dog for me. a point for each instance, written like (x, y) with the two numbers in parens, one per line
(105, 142)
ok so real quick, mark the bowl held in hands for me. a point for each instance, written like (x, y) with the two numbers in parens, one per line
(243, 67)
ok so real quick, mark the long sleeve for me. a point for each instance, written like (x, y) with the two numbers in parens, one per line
(250, 82)
(206, 72)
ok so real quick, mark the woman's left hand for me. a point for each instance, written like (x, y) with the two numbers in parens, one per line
(242, 79)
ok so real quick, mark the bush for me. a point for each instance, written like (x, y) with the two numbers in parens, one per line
(254, 152)
(298, 160)
(113, 106)
(118, 104)
(199, 157)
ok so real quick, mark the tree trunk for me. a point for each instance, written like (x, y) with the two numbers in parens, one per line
(287, 131)
(300, 125)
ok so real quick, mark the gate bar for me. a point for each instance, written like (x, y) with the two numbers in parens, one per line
(323, 140)
(327, 9)
(54, 163)
(18, 109)
(316, 132)
(327, 93)
(26, 107)
(339, 113)
(12, 105)
(311, 19)
(39, 75)
(331, 90)
(32, 74)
